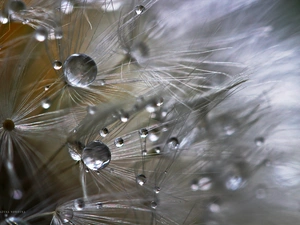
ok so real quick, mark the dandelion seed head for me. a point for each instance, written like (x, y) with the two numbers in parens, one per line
(8, 125)
(96, 155)
(79, 70)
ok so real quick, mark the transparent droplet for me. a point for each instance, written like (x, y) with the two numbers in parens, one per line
(259, 141)
(96, 155)
(261, 192)
(57, 65)
(17, 194)
(234, 182)
(26, 21)
(229, 130)
(41, 34)
(154, 135)
(104, 132)
(47, 87)
(194, 185)
(16, 6)
(99, 205)
(139, 9)
(173, 143)
(124, 117)
(160, 102)
(144, 152)
(66, 215)
(153, 205)
(67, 6)
(8, 125)
(156, 190)
(87, 170)
(143, 133)
(74, 155)
(79, 204)
(141, 179)
(14, 221)
(119, 142)
(214, 206)
(151, 107)
(91, 109)
(80, 70)
(205, 183)
(46, 103)
(3, 18)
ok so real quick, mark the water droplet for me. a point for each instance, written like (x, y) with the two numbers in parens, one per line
(80, 70)
(74, 155)
(259, 141)
(215, 205)
(157, 150)
(66, 7)
(104, 132)
(47, 87)
(139, 9)
(151, 107)
(160, 102)
(14, 221)
(79, 204)
(16, 6)
(91, 110)
(119, 142)
(144, 152)
(57, 65)
(99, 205)
(156, 190)
(46, 103)
(234, 182)
(205, 183)
(229, 130)
(194, 185)
(26, 21)
(17, 194)
(41, 34)
(143, 133)
(141, 179)
(3, 18)
(8, 125)
(66, 215)
(96, 155)
(124, 117)
(154, 135)
(260, 192)
(87, 170)
(153, 205)
(173, 143)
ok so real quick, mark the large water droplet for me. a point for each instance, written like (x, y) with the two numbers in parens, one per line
(104, 132)
(96, 155)
(141, 179)
(79, 204)
(41, 34)
(80, 70)
(139, 9)
(57, 65)
(8, 125)
(67, 6)
(119, 142)
(16, 6)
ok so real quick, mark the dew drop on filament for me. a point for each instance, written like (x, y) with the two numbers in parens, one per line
(67, 6)
(80, 70)
(143, 133)
(139, 9)
(141, 179)
(66, 215)
(96, 155)
(46, 103)
(259, 141)
(41, 34)
(57, 65)
(79, 204)
(104, 132)
(173, 143)
(119, 142)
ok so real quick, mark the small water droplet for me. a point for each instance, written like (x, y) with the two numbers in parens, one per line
(234, 182)
(87, 170)
(205, 183)
(157, 150)
(3, 18)
(66, 215)
(156, 190)
(80, 70)
(144, 152)
(47, 87)
(194, 185)
(8, 125)
(143, 133)
(259, 141)
(99, 205)
(41, 34)
(215, 205)
(153, 205)
(66, 7)
(151, 107)
(57, 65)
(124, 117)
(91, 110)
(26, 21)
(154, 135)
(229, 130)
(141, 179)
(96, 155)
(79, 204)
(104, 132)
(119, 142)
(173, 143)
(46, 103)
(139, 9)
